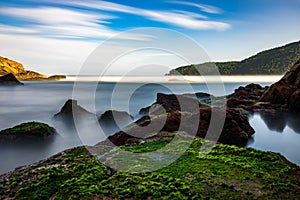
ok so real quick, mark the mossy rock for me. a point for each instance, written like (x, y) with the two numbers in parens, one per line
(27, 131)
(226, 172)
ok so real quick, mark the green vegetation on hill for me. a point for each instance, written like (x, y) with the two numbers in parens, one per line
(273, 61)
(227, 172)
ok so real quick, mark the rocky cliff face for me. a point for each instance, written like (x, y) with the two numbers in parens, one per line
(9, 66)
(286, 91)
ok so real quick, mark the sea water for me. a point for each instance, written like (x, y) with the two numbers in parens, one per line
(40, 100)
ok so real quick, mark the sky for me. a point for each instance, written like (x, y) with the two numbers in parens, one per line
(58, 37)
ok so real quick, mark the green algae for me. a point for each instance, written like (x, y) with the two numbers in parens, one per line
(27, 127)
(226, 172)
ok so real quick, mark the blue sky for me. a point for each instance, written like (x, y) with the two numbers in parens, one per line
(53, 36)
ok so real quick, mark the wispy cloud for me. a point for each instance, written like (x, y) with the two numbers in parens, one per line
(61, 23)
(202, 7)
(177, 18)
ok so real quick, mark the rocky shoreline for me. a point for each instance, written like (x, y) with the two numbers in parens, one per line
(227, 171)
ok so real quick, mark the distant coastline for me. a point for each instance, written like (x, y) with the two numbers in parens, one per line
(176, 79)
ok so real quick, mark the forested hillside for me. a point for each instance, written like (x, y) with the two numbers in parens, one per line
(273, 61)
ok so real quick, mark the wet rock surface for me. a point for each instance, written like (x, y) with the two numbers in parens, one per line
(113, 121)
(27, 132)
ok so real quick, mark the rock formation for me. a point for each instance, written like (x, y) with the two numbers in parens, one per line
(56, 77)
(9, 66)
(167, 117)
(286, 91)
(171, 102)
(71, 109)
(28, 132)
(112, 121)
(9, 79)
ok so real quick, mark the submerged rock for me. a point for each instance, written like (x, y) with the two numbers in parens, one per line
(30, 131)
(112, 121)
(9, 79)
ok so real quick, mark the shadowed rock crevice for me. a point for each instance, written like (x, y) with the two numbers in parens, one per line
(9, 79)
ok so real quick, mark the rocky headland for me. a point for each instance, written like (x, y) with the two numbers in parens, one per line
(8, 66)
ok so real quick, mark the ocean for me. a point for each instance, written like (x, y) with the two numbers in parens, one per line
(40, 100)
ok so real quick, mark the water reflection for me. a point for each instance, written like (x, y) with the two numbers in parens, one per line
(278, 121)
(277, 132)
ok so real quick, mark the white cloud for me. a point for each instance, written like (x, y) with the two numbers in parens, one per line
(62, 23)
(202, 7)
(6, 29)
(178, 18)
(185, 21)
(54, 16)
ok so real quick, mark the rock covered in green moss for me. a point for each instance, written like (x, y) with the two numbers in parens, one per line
(226, 172)
(27, 131)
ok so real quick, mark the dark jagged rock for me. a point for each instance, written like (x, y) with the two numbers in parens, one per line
(30, 131)
(112, 121)
(236, 129)
(251, 92)
(9, 79)
(294, 102)
(249, 98)
(282, 91)
(71, 109)
(171, 102)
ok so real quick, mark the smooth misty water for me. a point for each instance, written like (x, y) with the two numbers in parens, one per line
(39, 101)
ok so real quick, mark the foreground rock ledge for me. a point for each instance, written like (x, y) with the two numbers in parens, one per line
(226, 172)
